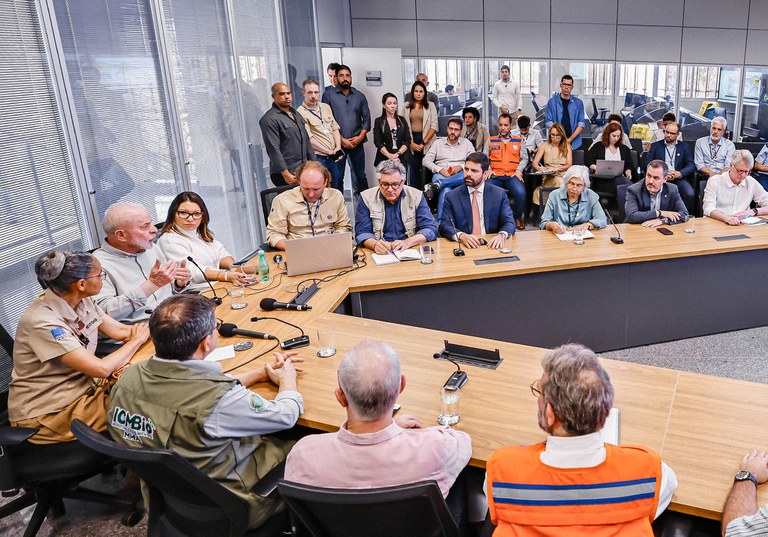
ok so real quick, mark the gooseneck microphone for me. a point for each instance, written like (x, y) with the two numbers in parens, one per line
(215, 298)
(614, 240)
(231, 329)
(270, 304)
(458, 251)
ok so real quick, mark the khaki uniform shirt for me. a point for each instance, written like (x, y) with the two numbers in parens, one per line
(291, 218)
(48, 329)
(320, 124)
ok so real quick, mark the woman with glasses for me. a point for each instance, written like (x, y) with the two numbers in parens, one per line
(185, 233)
(56, 376)
(553, 158)
(573, 206)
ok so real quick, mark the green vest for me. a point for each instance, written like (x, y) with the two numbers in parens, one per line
(164, 405)
(408, 206)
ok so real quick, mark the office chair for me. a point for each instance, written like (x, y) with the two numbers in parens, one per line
(415, 509)
(536, 106)
(183, 500)
(700, 198)
(578, 157)
(543, 198)
(267, 196)
(621, 199)
(599, 115)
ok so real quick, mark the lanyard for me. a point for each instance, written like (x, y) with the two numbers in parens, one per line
(571, 217)
(671, 154)
(713, 150)
(312, 219)
(318, 116)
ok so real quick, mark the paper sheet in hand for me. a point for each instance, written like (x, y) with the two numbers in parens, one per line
(403, 255)
(222, 353)
(611, 431)
(568, 235)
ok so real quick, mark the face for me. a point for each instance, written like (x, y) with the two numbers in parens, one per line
(575, 186)
(282, 96)
(391, 185)
(311, 94)
(418, 93)
(474, 174)
(525, 131)
(670, 133)
(390, 105)
(332, 76)
(555, 137)
(716, 131)
(566, 86)
(504, 126)
(312, 184)
(95, 279)
(139, 234)
(454, 130)
(505, 75)
(423, 79)
(614, 138)
(469, 120)
(654, 179)
(739, 172)
(188, 216)
(344, 79)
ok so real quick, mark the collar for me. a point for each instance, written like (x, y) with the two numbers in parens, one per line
(667, 145)
(731, 184)
(291, 109)
(389, 432)
(200, 365)
(352, 90)
(575, 444)
(385, 200)
(717, 144)
(60, 306)
(480, 189)
(304, 104)
(121, 253)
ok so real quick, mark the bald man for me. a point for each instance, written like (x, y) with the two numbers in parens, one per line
(285, 137)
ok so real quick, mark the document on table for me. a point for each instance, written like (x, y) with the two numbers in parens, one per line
(611, 431)
(222, 353)
(754, 221)
(396, 257)
(568, 235)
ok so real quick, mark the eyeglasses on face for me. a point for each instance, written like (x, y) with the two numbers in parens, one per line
(390, 186)
(535, 389)
(102, 274)
(197, 215)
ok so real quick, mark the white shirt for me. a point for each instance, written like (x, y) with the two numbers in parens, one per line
(724, 196)
(178, 246)
(507, 94)
(609, 155)
(532, 140)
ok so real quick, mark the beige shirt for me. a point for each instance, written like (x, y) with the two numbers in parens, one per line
(320, 124)
(292, 218)
(48, 329)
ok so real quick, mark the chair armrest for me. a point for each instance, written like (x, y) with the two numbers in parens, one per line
(13, 436)
(267, 485)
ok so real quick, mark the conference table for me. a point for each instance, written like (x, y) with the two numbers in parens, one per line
(701, 425)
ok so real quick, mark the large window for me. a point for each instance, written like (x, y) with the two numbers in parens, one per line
(457, 83)
(699, 82)
(533, 77)
(653, 80)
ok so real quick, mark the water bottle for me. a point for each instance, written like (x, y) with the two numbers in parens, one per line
(263, 267)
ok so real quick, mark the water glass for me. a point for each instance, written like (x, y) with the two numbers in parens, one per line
(325, 342)
(426, 251)
(690, 225)
(578, 235)
(449, 407)
(237, 294)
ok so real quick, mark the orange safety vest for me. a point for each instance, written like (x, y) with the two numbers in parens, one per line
(505, 154)
(617, 497)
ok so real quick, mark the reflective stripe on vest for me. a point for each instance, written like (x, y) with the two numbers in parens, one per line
(594, 494)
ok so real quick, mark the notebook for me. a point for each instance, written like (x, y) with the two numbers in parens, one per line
(609, 168)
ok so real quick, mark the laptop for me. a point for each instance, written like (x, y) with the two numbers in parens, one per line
(318, 253)
(609, 168)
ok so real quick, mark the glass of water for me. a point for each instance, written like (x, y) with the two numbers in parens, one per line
(237, 294)
(449, 407)
(690, 225)
(578, 235)
(426, 251)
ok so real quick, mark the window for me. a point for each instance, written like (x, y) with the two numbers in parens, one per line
(647, 79)
(699, 82)
(457, 83)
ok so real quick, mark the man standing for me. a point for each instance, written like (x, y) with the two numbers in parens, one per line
(729, 194)
(567, 481)
(311, 208)
(655, 202)
(741, 518)
(508, 160)
(679, 162)
(445, 159)
(323, 132)
(477, 208)
(285, 137)
(178, 401)
(567, 110)
(350, 108)
(506, 94)
(712, 154)
(431, 97)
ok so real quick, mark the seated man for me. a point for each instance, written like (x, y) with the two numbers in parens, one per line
(393, 216)
(575, 483)
(371, 449)
(135, 280)
(178, 401)
(509, 158)
(445, 159)
(729, 194)
(712, 154)
(312, 208)
(679, 161)
(531, 139)
(655, 202)
(741, 517)
(477, 208)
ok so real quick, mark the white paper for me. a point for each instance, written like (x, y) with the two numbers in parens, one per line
(222, 353)
(753, 221)
(403, 255)
(568, 235)
(611, 431)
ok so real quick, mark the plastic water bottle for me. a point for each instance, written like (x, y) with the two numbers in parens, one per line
(263, 267)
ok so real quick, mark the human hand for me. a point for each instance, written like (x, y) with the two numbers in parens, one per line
(400, 245)
(732, 220)
(416, 147)
(554, 227)
(592, 167)
(496, 242)
(656, 222)
(139, 332)
(672, 216)
(162, 275)
(407, 421)
(756, 463)
(183, 274)
(289, 177)
(382, 247)
(282, 369)
(584, 226)
(628, 173)
(469, 240)
(744, 214)
(239, 278)
(346, 143)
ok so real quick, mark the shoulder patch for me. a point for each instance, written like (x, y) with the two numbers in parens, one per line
(58, 333)
(256, 402)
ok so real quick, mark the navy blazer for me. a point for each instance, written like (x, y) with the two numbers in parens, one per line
(496, 211)
(683, 159)
(638, 204)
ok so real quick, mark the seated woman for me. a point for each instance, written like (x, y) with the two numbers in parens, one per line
(185, 233)
(554, 156)
(391, 134)
(56, 376)
(573, 205)
(611, 148)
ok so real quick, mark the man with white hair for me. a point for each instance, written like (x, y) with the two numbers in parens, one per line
(371, 448)
(712, 154)
(136, 281)
(729, 194)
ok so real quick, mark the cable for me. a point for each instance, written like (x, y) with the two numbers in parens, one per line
(275, 283)
(300, 286)
(300, 329)
(254, 358)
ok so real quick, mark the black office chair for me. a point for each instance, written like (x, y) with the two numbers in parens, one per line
(700, 198)
(415, 509)
(536, 106)
(578, 157)
(267, 196)
(599, 115)
(621, 199)
(543, 198)
(183, 500)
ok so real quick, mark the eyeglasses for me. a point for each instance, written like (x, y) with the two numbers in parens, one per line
(535, 390)
(102, 275)
(672, 133)
(390, 186)
(577, 186)
(742, 172)
(197, 215)
(218, 324)
(566, 85)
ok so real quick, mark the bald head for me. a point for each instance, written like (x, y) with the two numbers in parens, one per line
(369, 377)
(119, 215)
(281, 95)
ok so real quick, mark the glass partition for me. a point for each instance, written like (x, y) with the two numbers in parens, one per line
(592, 83)
(533, 77)
(457, 83)
(754, 108)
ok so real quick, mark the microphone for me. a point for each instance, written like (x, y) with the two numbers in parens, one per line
(231, 329)
(269, 304)
(215, 298)
(458, 251)
(614, 240)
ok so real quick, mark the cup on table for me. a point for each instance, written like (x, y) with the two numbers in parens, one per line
(237, 294)
(326, 346)
(690, 225)
(505, 249)
(578, 235)
(426, 251)
(449, 407)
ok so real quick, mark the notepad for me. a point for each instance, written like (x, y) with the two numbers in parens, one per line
(222, 353)
(611, 431)
(754, 221)
(568, 235)
(396, 257)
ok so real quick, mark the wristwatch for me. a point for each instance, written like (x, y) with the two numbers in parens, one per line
(743, 475)
(755, 211)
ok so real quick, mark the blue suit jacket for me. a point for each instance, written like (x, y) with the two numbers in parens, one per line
(683, 159)
(496, 211)
(638, 203)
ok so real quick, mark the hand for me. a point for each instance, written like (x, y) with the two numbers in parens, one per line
(469, 240)
(283, 371)
(382, 247)
(289, 177)
(162, 275)
(672, 216)
(628, 173)
(138, 332)
(554, 227)
(584, 226)
(401, 245)
(504, 110)
(732, 220)
(183, 274)
(496, 242)
(592, 167)
(519, 175)
(406, 421)
(744, 214)
(239, 278)
(416, 148)
(346, 143)
(445, 172)
(656, 222)
(755, 463)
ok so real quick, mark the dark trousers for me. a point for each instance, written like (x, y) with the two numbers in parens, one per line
(277, 179)
(687, 193)
(336, 169)
(417, 170)
(356, 159)
(516, 187)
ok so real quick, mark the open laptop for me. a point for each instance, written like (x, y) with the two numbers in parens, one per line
(318, 253)
(609, 168)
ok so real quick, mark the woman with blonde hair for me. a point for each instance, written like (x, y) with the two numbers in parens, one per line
(553, 158)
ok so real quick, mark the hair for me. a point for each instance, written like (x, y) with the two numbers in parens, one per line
(605, 139)
(507, 117)
(566, 77)
(504, 67)
(578, 388)
(582, 172)
(669, 116)
(562, 147)
(411, 99)
(332, 65)
(390, 167)
(309, 81)
(57, 270)
(742, 155)
(342, 67)
(471, 110)
(456, 120)
(523, 122)
(659, 164)
(614, 117)
(170, 219)
(179, 324)
(313, 165)
(119, 216)
(369, 376)
(273, 89)
(721, 120)
(480, 158)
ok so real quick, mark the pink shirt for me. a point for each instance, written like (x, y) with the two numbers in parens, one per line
(392, 456)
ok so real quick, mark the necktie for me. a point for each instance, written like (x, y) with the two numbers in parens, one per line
(475, 214)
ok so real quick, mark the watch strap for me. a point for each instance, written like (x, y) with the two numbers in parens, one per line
(746, 476)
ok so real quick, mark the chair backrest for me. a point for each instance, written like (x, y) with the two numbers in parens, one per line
(702, 185)
(544, 196)
(267, 196)
(415, 509)
(621, 198)
(578, 157)
(180, 495)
